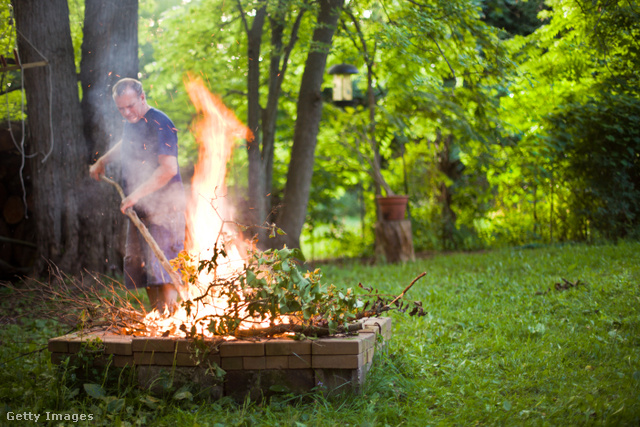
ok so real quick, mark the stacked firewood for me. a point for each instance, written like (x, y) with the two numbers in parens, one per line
(17, 228)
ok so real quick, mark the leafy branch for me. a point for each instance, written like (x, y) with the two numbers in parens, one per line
(273, 290)
(271, 295)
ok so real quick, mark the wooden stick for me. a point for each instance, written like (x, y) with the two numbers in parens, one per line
(23, 66)
(133, 216)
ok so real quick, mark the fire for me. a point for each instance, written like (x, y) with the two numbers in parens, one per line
(208, 211)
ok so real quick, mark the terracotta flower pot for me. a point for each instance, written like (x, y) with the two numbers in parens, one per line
(392, 208)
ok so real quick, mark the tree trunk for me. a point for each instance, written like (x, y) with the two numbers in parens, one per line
(394, 241)
(277, 70)
(109, 53)
(296, 196)
(256, 190)
(451, 166)
(55, 124)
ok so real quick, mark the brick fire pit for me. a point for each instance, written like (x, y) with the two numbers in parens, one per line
(254, 368)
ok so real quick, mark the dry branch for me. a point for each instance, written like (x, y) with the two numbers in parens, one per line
(318, 331)
(102, 304)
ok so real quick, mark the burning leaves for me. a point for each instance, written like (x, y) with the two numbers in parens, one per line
(273, 295)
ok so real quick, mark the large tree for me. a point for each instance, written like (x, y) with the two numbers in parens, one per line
(109, 53)
(263, 120)
(55, 127)
(296, 197)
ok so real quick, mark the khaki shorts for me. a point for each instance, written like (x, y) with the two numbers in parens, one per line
(141, 267)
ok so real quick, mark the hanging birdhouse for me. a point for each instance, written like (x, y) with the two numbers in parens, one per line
(342, 85)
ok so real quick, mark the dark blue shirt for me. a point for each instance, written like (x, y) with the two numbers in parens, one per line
(142, 143)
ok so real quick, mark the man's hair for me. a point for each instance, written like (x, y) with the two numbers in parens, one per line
(127, 83)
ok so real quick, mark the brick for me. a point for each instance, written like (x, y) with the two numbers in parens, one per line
(191, 346)
(185, 346)
(74, 346)
(186, 359)
(368, 355)
(122, 361)
(276, 362)
(381, 325)
(152, 358)
(117, 344)
(159, 345)
(300, 361)
(368, 340)
(241, 348)
(231, 363)
(330, 346)
(373, 325)
(254, 363)
(349, 361)
(366, 331)
(75, 341)
(284, 347)
(58, 345)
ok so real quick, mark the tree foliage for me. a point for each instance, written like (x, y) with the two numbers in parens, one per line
(572, 113)
(505, 122)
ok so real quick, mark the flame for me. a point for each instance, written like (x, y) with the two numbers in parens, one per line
(216, 132)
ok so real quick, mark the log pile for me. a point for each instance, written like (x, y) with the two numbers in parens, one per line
(17, 227)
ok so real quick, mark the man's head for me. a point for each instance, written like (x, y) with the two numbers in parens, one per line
(130, 99)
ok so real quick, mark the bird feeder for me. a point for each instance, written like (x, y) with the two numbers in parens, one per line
(342, 86)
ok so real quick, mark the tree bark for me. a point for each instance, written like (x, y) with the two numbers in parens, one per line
(55, 124)
(256, 191)
(262, 121)
(394, 241)
(109, 53)
(277, 70)
(296, 196)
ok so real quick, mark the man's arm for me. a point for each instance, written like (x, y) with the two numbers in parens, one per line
(98, 168)
(167, 169)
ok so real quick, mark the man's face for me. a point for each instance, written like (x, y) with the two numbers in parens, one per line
(131, 106)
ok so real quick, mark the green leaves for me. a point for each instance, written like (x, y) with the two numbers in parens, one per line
(111, 404)
(95, 390)
(280, 287)
(271, 286)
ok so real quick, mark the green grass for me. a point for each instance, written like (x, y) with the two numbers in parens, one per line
(499, 346)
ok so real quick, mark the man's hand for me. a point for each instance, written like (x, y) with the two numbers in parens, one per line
(97, 169)
(128, 202)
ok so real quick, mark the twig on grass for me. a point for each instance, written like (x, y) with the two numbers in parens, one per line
(420, 276)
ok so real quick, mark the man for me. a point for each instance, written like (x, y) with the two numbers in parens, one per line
(148, 155)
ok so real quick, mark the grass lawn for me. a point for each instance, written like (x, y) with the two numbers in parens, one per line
(500, 345)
